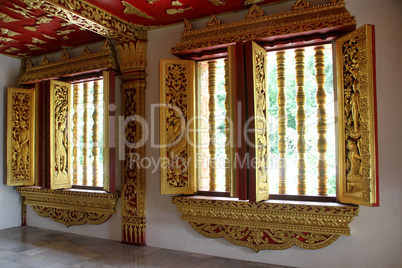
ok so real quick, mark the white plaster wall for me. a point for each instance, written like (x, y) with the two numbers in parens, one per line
(10, 206)
(376, 237)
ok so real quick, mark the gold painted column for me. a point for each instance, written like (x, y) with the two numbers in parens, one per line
(301, 122)
(321, 120)
(212, 125)
(132, 67)
(282, 120)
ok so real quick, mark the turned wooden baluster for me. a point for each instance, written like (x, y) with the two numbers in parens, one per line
(95, 135)
(212, 124)
(85, 138)
(280, 61)
(76, 102)
(321, 120)
(301, 122)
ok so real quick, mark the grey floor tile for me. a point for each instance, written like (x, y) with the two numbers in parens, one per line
(30, 247)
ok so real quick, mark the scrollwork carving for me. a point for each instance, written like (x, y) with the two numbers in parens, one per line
(20, 137)
(70, 207)
(267, 225)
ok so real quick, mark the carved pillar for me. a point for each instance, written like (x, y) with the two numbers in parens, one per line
(280, 61)
(301, 122)
(212, 124)
(132, 67)
(321, 120)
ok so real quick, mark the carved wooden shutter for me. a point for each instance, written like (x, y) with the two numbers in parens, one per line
(177, 124)
(257, 114)
(20, 137)
(59, 127)
(358, 176)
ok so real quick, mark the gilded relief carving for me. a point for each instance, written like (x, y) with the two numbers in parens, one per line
(300, 20)
(132, 65)
(357, 123)
(176, 93)
(130, 9)
(267, 225)
(70, 207)
(91, 18)
(20, 137)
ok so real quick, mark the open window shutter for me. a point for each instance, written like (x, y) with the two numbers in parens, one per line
(358, 176)
(20, 137)
(257, 114)
(59, 126)
(177, 127)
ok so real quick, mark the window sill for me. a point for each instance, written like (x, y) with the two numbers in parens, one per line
(70, 207)
(273, 224)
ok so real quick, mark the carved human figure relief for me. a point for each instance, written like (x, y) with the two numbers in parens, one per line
(354, 177)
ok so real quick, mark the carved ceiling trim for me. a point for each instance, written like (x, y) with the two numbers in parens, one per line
(267, 225)
(92, 18)
(106, 59)
(308, 18)
(70, 207)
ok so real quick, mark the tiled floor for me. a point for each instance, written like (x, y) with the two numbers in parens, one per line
(34, 247)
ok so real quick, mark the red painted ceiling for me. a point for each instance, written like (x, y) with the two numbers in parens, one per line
(33, 32)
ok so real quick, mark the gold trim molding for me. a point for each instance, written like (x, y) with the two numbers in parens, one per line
(267, 225)
(92, 18)
(70, 207)
(106, 59)
(333, 14)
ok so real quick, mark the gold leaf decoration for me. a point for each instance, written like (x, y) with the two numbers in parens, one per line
(66, 37)
(7, 39)
(11, 50)
(66, 23)
(31, 28)
(217, 2)
(132, 10)
(173, 11)
(2, 45)
(187, 25)
(176, 3)
(64, 32)
(29, 63)
(255, 12)
(252, 2)
(300, 5)
(45, 60)
(38, 41)
(43, 19)
(9, 32)
(24, 12)
(86, 51)
(7, 18)
(65, 55)
(213, 21)
(22, 54)
(32, 47)
(49, 37)
(152, 1)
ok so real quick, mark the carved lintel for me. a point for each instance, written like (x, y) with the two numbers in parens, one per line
(187, 25)
(291, 22)
(70, 207)
(267, 225)
(103, 60)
